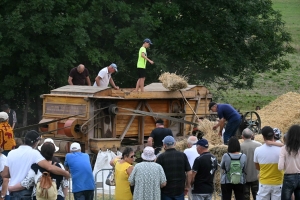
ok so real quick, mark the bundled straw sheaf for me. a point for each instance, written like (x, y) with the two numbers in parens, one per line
(211, 135)
(173, 82)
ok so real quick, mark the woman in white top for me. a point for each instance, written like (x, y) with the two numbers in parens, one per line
(289, 161)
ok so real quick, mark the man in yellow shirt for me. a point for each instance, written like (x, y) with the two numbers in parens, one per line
(7, 139)
(141, 65)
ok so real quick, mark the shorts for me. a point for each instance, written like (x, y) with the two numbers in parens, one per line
(267, 192)
(141, 72)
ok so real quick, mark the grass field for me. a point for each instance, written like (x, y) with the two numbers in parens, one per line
(268, 86)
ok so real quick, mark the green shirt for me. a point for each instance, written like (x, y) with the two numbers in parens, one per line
(142, 61)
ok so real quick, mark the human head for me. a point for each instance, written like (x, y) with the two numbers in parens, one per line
(147, 42)
(293, 140)
(212, 106)
(247, 133)
(159, 122)
(202, 146)
(75, 147)
(49, 140)
(112, 68)
(267, 133)
(3, 116)
(191, 141)
(148, 154)
(80, 68)
(48, 150)
(5, 107)
(32, 138)
(128, 155)
(169, 142)
(234, 145)
(277, 133)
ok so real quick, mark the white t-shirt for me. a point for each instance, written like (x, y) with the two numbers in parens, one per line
(191, 154)
(19, 162)
(3, 163)
(105, 77)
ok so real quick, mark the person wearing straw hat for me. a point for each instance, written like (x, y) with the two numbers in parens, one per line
(226, 113)
(177, 169)
(147, 177)
(7, 139)
(104, 77)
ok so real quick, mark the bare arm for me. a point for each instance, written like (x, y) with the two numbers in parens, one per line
(16, 187)
(97, 79)
(54, 169)
(222, 124)
(188, 179)
(112, 83)
(150, 141)
(129, 170)
(4, 186)
(5, 172)
(163, 184)
(88, 80)
(70, 80)
(273, 143)
(257, 166)
(145, 57)
(193, 177)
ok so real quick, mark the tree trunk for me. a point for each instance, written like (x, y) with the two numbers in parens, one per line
(26, 106)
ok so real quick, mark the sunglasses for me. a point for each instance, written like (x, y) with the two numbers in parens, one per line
(132, 156)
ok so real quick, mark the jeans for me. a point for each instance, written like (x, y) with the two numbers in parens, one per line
(253, 186)
(238, 190)
(84, 195)
(7, 197)
(165, 197)
(21, 195)
(291, 183)
(230, 129)
(202, 196)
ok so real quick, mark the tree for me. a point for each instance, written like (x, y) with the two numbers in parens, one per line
(207, 41)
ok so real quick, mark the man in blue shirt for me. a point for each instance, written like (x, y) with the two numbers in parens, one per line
(83, 184)
(226, 113)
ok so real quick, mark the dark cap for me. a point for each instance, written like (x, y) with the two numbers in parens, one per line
(159, 121)
(211, 104)
(5, 107)
(203, 143)
(148, 41)
(267, 131)
(32, 137)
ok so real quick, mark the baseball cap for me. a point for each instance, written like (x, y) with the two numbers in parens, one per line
(211, 104)
(203, 143)
(114, 66)
(32, 137)
(148, 41)
(75, 146)
(267, 131)
(50, 141)
(3, 116)
(168, 140)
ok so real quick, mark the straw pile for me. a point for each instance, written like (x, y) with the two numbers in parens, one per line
(282, 113)
(211, 135)
(173, 82)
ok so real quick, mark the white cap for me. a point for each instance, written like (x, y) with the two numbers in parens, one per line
(3, 116)
(51, 141)
(75, 146)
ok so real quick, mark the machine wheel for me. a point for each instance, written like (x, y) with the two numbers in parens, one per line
(252, 121)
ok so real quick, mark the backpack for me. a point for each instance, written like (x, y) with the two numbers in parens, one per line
(46, 188)
(236, 172)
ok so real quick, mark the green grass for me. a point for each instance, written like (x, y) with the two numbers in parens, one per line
(268, 86)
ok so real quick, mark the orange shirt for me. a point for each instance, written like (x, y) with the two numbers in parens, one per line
(7, 140)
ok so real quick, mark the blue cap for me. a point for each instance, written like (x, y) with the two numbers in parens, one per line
(114, 66)
(148, 41)
(203, 143)
(168, 140)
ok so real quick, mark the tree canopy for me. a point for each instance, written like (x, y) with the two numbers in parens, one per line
(223, 41)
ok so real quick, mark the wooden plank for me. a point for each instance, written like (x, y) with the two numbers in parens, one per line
(155, 95)
(141, 126)
(196, 111)
(130, 122)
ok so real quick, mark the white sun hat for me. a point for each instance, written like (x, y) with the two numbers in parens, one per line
(148, 154)
(51, 141)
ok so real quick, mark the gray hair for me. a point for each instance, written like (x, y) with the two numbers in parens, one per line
(192, 140)
(247, 133)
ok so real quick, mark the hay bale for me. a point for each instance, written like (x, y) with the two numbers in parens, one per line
(181, 145)
(173, 82)
(282, 113)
